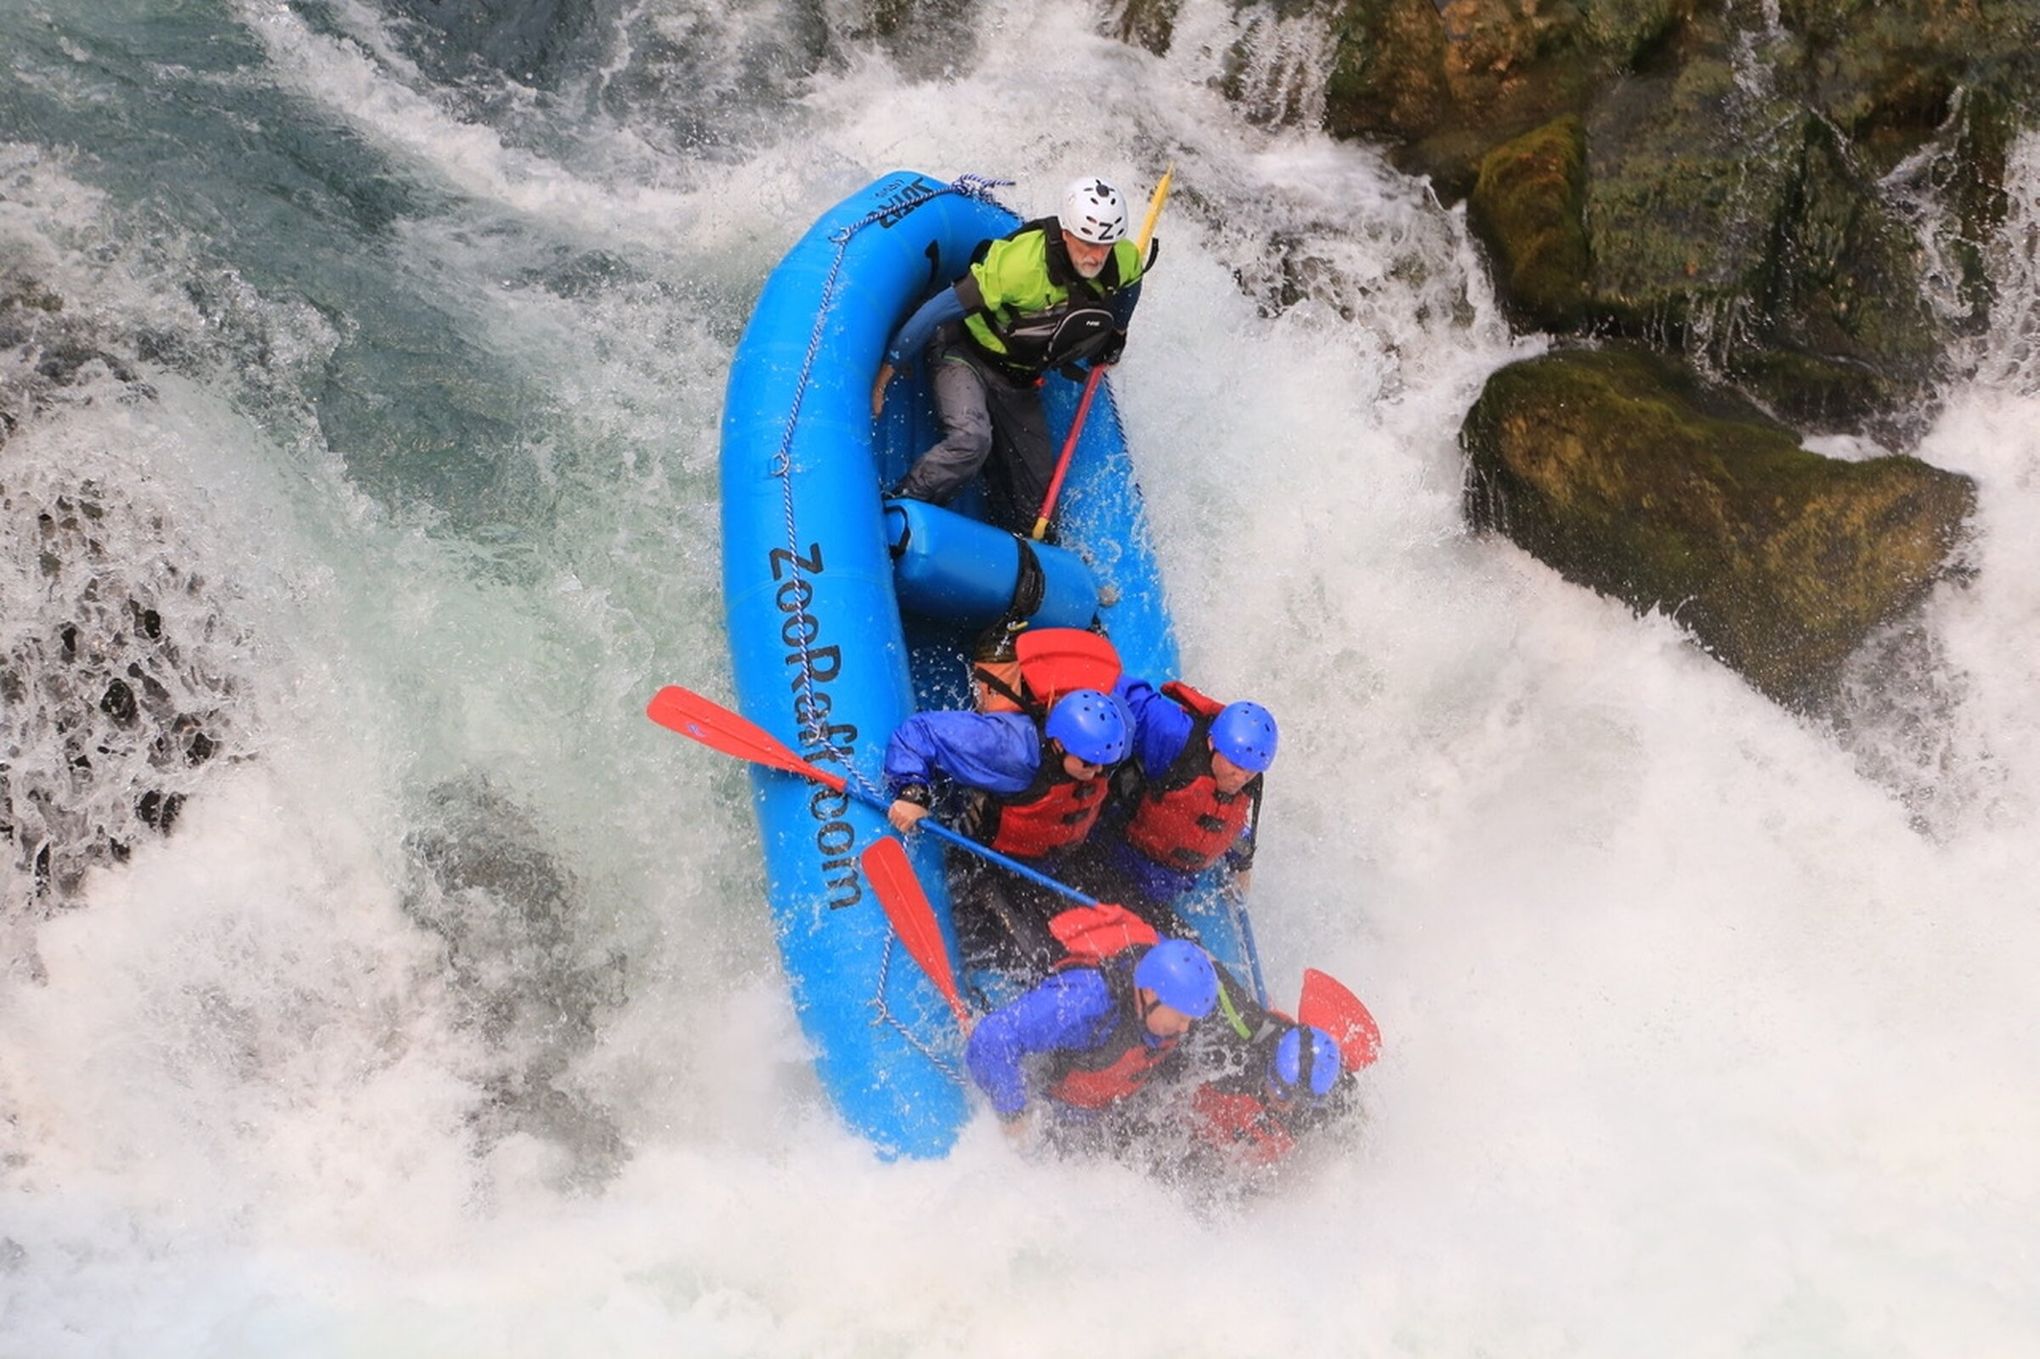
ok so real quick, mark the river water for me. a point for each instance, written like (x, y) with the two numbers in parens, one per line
(379, 451)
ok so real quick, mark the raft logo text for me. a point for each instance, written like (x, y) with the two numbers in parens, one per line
(895, 201)
(817, 667)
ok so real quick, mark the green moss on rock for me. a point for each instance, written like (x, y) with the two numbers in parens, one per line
(1445, 85)
(1842, 277)
(1625, 474)
(1148, 23)
(1388, 70)
(1685, 179)
(1630, 32)
(1738, 200)
(1886, 71)
(1811, 391)
(1970, 169)
(1527, 207)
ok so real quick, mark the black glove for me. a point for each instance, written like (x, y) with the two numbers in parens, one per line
(1114, 347)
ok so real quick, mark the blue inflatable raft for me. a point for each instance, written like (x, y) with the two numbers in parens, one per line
(847, 613)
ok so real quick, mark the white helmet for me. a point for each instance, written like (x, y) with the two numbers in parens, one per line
(1093, 211)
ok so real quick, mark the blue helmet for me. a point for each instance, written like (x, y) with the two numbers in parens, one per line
(1245, 734)
(1092, 726)
(1298, 1067)
(1180, 975)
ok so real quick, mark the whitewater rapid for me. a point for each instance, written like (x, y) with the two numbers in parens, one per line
(447, 1019)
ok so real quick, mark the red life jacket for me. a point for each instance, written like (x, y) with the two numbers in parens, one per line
(1028, 671)
(1054, 812)
(1239, 1123)
(1232, 1114)
(1113, 940)
(1181, 820)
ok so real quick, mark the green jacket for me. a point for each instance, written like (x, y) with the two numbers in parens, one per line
(1028, 310)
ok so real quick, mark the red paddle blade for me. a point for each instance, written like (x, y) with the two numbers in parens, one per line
(1057, 660)
(718, 728)
(1338, 1012)
(913, 918)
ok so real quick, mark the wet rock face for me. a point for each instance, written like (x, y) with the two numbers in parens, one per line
(1841, 280)
(1445, 83)
(925, 39)
(1756, 183)
(1624, 474)
(1755, 240)
(1886, 71)
(1146, 23)
(530, 41)
(511, 918)
(1388, 76)
(1528, 206)
(114, 675)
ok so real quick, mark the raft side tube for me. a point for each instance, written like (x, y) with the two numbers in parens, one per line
(816, 645)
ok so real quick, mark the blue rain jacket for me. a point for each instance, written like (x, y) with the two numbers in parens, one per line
(1161, 728)
(992, 752)
(1069, 1011)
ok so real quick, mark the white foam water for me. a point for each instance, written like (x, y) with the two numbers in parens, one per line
(446, 1019)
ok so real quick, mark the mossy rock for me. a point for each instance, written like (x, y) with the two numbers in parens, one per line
(1737, 200)
(1969, 169)
(926, 39)
(28, 295)
(1387, 79)
(1811, 391)
(1686, 176)
(1624, 473)
(1444, 84)
(1629, 33)
(1527, 206)
(1886, 71)
(1841, 277)
(1148, 23)
(1740, 226)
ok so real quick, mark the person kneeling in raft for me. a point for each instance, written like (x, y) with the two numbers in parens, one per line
(1104, 1024)
(1286, 1081)
(1035, 791)
(1189, 798)
(1056, 293)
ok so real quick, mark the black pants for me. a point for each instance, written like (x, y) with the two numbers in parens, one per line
(983, 413)
(1002, 920)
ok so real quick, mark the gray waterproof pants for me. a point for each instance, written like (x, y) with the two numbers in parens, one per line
(983, 413)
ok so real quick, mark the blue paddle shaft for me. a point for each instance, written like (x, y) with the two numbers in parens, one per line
(942, 832)
(1246, 924)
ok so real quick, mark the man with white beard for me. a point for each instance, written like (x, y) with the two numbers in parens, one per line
(1055, 293)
